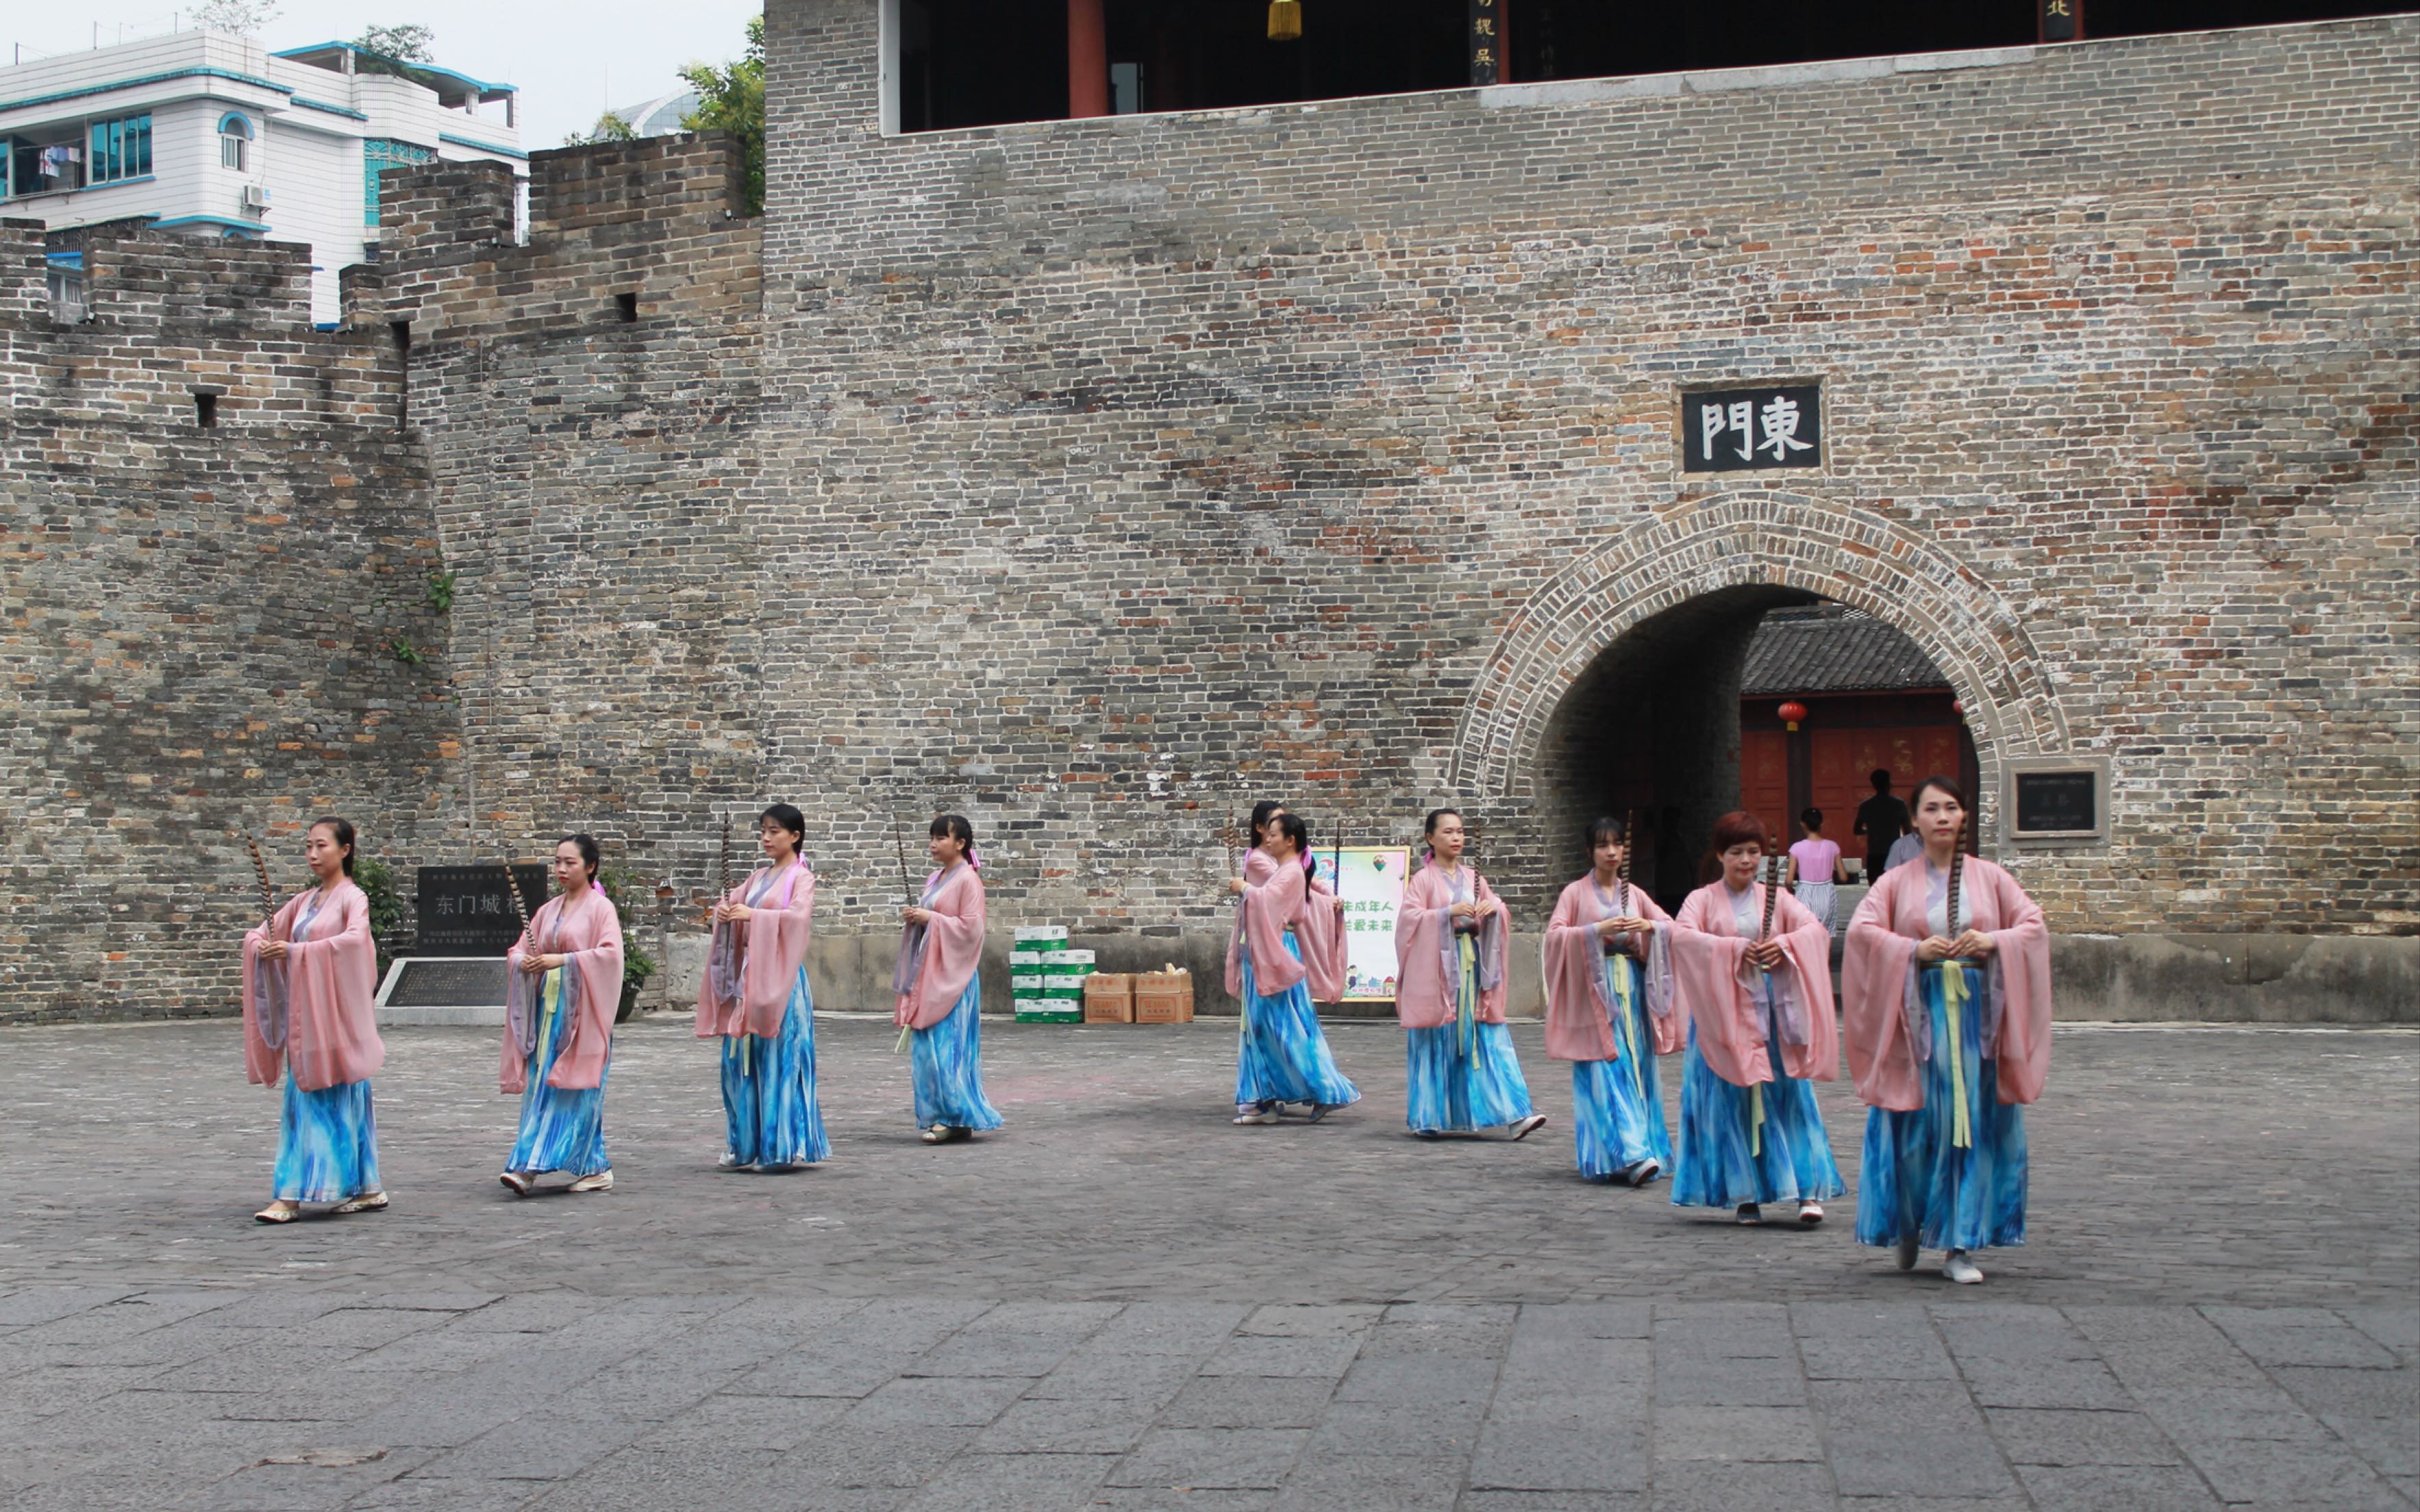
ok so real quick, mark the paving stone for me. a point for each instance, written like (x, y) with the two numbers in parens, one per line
(1250, 1402)
(1217, 1458)
(2117, 1488)
(2059, 1436)
(1714, 1486)
(1772, 1434)
(2277, 1475)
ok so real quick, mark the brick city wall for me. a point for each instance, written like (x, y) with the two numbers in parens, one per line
(199, 625)
(1093, 477)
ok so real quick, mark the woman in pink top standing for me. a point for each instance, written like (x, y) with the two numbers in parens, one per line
(939, 985)
(1947, 1024)
(1815, 870)
(1450, 946)
(564, 988)
(309, 976)
(1761, 1028)
(754, 998)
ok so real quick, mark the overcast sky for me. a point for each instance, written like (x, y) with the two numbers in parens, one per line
(568, 59)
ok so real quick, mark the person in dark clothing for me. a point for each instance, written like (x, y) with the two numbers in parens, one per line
(1881, 819)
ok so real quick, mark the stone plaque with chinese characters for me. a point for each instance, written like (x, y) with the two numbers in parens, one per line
(1735, 430)
(465, 910)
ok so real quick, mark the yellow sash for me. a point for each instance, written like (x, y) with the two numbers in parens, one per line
(1953, 997)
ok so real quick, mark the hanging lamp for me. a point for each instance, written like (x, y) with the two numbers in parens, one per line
(1285, 20)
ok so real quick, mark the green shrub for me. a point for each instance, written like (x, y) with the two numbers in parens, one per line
(626, 888)
(377, 881)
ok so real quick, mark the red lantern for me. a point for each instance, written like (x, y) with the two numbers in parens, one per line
(1792, 713)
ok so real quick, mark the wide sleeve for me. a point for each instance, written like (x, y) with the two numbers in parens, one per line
(266, 1001)
(1267, 909)
(951, 953)
(591, 993)
(1570, 964)
(332, 982)
(1706, 983)
(521, 1005)
(1422, 1000)
(1875, 981)
(1326, 947)
(1667, 1028)
(1808, 945)
(777, 947)
(2021, 966)
(1493, 951)
(721, 986)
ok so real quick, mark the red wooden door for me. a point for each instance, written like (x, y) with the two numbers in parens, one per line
(1764, 782)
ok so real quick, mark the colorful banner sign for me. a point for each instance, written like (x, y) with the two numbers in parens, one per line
(1373, 890)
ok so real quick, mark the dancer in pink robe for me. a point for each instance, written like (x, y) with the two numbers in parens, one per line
(1281, 1054)
(562, 991)
(754, 998)
(1761, 1028)
(1947, 1024)
(939, 985)
(1451, 934)
(309, 978)
(1607, 964)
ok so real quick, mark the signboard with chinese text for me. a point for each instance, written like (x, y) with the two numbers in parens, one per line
(465, 911)
(1486, 41)
(1373, 890)
(1734, 430)
(2062, 21)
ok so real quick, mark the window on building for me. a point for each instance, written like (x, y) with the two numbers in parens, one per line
(379, 155)
(36, 166)
(235, 143)
(121, 149)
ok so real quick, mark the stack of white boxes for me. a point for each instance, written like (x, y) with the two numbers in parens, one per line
(1046, 979)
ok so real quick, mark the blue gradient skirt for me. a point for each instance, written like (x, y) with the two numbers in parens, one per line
(1917, 1176)
(327, 1143)
(1282, 1056)
(1618, 1105)
(562, 1129)
(768, 1091)
(1451, 1093)
(1729, 1155)
(948, 1062)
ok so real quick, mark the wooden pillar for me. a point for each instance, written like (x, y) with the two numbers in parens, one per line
(1088, 60)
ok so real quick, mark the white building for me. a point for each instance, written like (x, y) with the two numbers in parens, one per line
(208, 134)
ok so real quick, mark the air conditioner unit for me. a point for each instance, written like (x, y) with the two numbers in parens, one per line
(255, 196)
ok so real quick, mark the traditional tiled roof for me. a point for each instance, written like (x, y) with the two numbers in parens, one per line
(1831, 650)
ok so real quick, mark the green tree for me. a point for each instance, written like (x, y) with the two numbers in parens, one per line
(407, 43)
(609, 128)
(732, 99)
(240, 18)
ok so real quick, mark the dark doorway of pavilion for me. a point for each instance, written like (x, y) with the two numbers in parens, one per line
(1688, 714)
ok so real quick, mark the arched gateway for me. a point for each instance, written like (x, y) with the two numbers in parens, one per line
(1704, 571)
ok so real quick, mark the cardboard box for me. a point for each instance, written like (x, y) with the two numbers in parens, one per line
(1056, 959)
(1041, 936)
(1108, 998)
(1024, 958)
(1163, 997)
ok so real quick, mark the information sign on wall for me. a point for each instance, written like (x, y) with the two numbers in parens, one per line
(1486, 41)
(1373, 890)
(2049, 798)
(1737, 431)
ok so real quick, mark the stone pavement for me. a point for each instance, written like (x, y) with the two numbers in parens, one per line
(1121, 1301)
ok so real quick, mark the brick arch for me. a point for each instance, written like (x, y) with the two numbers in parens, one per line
(1740, 539)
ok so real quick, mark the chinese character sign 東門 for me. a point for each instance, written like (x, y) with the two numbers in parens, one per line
(1733, 430)
(1373, 890)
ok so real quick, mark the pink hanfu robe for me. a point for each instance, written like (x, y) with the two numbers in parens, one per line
(753, 965)
(586, 989)
(1426, 988)
(939, 984)
(1725, 995)
(1946, 1055)
(1317, 932)
(1579, 1015)
(313, 1012)
(1883, 1011)
(1609, 1012)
